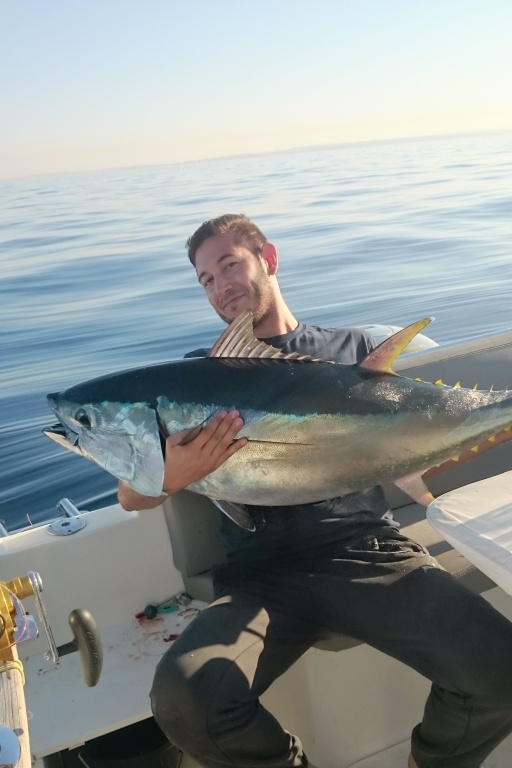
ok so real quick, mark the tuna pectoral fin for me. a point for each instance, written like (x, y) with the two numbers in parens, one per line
(189, 436)
(237, 513)
(414, 487)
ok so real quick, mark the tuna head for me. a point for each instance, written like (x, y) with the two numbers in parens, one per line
(122, 438)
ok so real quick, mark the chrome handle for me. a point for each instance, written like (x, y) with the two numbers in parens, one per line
(37, 586)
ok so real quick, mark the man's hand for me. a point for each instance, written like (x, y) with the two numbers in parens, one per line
(191, 461)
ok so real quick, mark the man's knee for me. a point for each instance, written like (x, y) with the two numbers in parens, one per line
(177, 699)
(498, 693)
(188, 697)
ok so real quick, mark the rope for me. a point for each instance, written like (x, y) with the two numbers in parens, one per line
(15, 664)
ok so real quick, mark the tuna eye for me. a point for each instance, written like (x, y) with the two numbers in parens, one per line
(83, 418)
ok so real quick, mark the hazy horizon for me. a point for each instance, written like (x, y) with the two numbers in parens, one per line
(123, 84)
(241, 155)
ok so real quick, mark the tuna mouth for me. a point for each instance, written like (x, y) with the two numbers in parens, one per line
(63, 436)
(55, 429)
(59, 432)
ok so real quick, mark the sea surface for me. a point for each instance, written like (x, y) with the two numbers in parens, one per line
(94, 275)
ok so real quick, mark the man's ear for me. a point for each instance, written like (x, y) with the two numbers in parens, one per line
(269, 256)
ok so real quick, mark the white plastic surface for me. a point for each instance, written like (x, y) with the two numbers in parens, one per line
(77, 714)
(477, 521)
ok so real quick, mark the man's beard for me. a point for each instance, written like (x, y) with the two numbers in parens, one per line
(261, 301)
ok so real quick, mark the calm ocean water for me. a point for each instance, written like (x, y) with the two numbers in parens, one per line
(94, 275)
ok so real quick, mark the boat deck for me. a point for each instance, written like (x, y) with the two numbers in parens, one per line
(396, 757)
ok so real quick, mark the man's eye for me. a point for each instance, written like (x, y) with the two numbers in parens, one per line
(207, 282)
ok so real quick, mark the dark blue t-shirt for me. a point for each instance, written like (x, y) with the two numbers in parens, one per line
(305, 531)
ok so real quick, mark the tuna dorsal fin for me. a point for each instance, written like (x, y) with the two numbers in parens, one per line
(382, 357)
(238, 340)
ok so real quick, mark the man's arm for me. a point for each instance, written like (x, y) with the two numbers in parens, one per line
(188, 463)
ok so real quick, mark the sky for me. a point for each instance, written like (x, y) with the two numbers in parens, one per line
(91, 84)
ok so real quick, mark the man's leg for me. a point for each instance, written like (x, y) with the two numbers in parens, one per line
(469, 709)
(399, 603)
(206, 687)
(383, 591)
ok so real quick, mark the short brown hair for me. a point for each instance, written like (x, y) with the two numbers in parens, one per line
(245, 232)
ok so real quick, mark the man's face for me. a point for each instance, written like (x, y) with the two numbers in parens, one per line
(234, 279)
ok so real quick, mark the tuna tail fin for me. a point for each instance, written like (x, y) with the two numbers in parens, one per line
(382, 357)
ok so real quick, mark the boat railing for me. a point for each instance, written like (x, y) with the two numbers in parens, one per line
(69, 521)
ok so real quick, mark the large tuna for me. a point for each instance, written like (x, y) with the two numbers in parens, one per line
(316, 429)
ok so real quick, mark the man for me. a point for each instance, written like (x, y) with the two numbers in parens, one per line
(335, 556)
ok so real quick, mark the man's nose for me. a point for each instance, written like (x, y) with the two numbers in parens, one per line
(223, 285)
